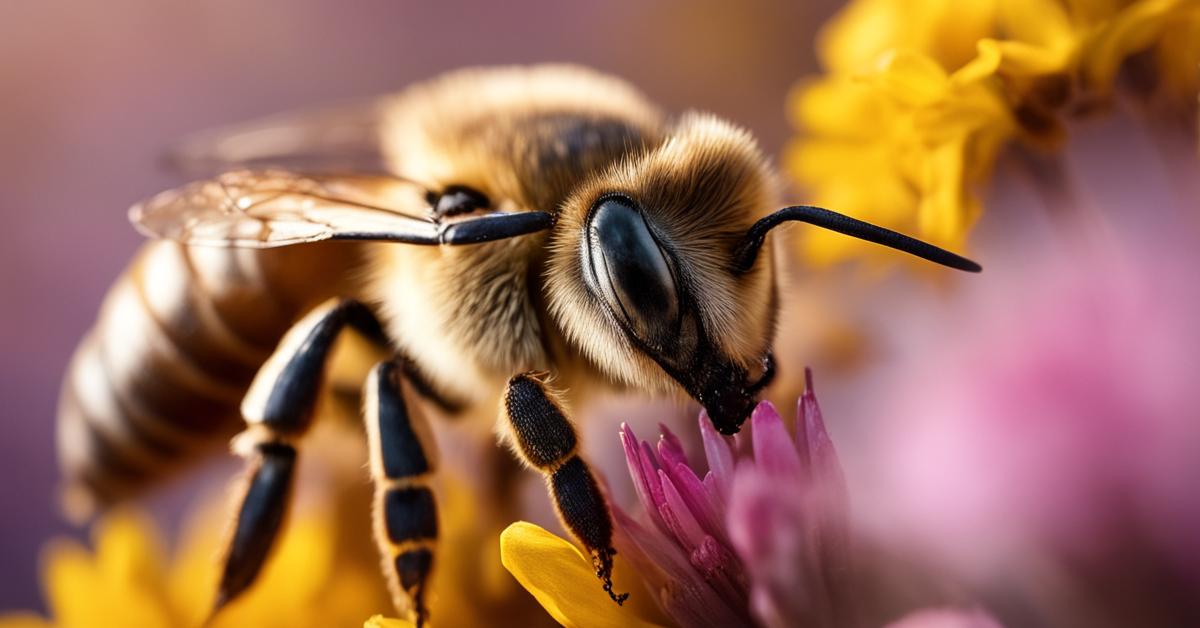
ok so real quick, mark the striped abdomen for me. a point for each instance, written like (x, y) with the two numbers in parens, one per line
(158, 380)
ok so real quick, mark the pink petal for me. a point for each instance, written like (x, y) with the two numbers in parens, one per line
(678, 516)
(651, 468)
(776, 541)
(682, 592)
(721, 569)
(812, 439)
(670, 449)
(946, 618)
(719, 455)
(679, 589)
(806, 406)
(693, 493)
(774, 452)
(644, 472)
(830, 483)
(719, 505)
(633, 459)
(821, 453)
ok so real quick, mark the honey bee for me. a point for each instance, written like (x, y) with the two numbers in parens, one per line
(529, 231)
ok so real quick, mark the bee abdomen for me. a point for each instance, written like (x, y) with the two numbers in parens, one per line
(157, 381)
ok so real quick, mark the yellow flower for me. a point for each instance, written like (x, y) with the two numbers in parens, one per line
(127, 580)
(920, 96)
(323, 572)
(379, 621)
(564, 581)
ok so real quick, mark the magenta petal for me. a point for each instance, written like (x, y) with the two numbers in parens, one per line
(719, 455)
(650, 468)
(814, 443)
(643, 469)
(693, 492)
(678, 516)
(670, 449)
(774, 452)
(805, 407)
(947, 618)
(813, 440)
(681, 591)
(664, 567)
(721, 570)
(719, 505)
(832, 515)
(641, 482)
(775, 539)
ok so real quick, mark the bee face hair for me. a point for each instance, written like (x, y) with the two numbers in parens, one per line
(640, 274)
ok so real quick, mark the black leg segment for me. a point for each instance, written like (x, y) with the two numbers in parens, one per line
(540, 428)
(406, 523)
(264, 500)
(546, 440)
(284, 391)
(278, 408)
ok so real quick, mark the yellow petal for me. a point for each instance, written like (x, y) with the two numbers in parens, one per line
(945, 30)
(81, 594)
(839, 106)
(128, 550)
(911, 77)
(1132, 30)
(379, 621)
(986, 62)
(561, 579)
(194, 575)
(1043, 23)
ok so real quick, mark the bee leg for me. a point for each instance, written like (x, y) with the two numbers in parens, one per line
(278, 409)
(406, 524)
(546, 440)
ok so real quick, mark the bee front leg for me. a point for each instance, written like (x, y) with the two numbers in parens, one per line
(278, 409)
(406, 524)
(546, 440)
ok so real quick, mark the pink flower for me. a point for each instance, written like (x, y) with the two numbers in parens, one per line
(759, 540)
(1047, 451)
(762, 539)
(946, 618)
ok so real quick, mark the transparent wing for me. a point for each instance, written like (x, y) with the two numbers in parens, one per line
(270, 208)
(337, 137)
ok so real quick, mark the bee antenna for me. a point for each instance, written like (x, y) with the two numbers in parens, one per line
(747, 250)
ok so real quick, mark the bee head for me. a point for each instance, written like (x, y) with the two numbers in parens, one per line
(643, 274)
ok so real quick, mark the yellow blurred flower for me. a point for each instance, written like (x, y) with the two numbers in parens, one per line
(920, 96)
(323, 572)
(128, 581)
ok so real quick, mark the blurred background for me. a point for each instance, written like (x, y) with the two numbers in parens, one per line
(93, 92)
(1028, 434)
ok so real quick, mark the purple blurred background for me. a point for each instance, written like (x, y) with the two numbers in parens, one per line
(93, 92)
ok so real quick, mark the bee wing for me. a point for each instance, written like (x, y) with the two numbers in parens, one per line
(269, 208)
(339, 137)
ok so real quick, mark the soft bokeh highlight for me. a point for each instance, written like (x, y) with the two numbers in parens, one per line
(1046, 449)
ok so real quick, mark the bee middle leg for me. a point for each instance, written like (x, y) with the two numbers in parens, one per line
(545, 439)
(278, 409)
(402, 465)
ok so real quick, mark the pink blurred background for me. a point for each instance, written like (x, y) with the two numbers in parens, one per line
(93, 92)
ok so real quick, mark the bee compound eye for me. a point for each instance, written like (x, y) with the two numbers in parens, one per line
(629, 269)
